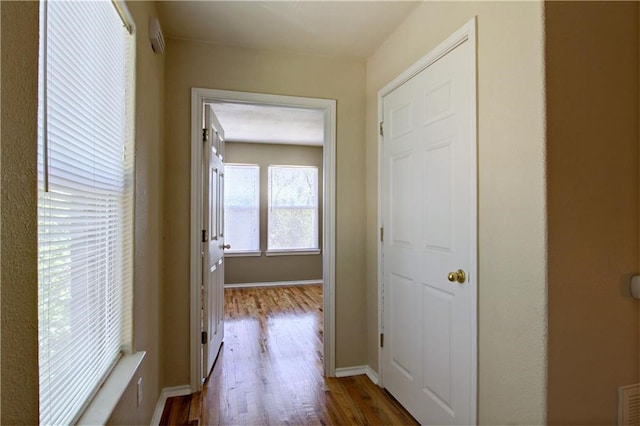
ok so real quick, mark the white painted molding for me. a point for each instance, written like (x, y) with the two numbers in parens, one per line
(198, 97)
(358, 370)
(373, 376)
(292, 252)
(257, 253)
(162, 400)
(108, 395)
(273, 284)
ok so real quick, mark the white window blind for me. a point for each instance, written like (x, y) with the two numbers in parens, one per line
(293, 208)
(242, 207)
(85, 202)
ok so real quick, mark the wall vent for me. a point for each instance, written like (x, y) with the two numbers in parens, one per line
(155, 35)
(629, 405)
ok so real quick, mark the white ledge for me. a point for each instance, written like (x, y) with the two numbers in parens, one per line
(293, 252)
(248, 253)
(101, 407)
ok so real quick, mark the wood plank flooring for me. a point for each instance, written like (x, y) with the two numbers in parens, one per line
(269, 371)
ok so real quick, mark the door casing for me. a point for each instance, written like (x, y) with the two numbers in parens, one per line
(199, 96)
(466, 33)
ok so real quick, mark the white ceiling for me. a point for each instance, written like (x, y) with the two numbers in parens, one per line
(270, 124)
(352, 29)
(348, 29)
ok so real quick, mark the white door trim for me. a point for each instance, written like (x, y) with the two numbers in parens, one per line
(466, 33)
(198, 97)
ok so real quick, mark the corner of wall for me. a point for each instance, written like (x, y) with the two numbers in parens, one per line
(18, 224)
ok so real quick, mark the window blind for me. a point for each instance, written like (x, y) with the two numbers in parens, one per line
(85, 202)
(293, 208)
(242, 207)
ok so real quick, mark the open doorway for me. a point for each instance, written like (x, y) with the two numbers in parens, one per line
(271, 246)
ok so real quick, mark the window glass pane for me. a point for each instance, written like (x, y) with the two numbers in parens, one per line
(293, 208)
(242, 207)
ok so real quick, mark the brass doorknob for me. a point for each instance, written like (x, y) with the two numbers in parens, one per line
(226, 246)
(458, 276)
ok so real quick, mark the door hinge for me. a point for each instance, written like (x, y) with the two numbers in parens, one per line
(205, 236)
(205, 135)
(382, 340)
(204, 338)
(382, 234)
(382, 128)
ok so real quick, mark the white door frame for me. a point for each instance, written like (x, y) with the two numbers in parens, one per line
(198, 97)
(466, 33)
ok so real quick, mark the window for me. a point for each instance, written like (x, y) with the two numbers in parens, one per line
(242, 207)
(85, 202)
(293, 208)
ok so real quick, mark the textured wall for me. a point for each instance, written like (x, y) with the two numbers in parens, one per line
(18, 213)
(511, 179)
(274, 268)
(0, 223)
(149, 141)
(592, 143)
(193, 64)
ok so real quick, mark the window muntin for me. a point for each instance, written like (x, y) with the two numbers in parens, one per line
(293, 208)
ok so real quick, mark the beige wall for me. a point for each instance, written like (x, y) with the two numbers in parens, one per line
(0, 222)
(592, 140)
(192, 64)
(148, 222)
(511, 151)
(274, 268)
(19, 268)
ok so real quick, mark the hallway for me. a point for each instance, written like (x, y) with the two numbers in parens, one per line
(269, 370)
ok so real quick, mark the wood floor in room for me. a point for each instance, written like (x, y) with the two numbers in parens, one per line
(269, 371)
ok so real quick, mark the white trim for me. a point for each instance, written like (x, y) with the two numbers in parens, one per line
(248, 253)
(358, 371)
(373, 376)
(292, 252)
(127, 19)
(274, 284)
(162, 400)
(198, 97)
(466, 33)
(195, 361)
(101, 407)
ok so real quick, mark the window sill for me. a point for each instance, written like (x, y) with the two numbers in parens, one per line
(248, 253)
(293, 252)
(101, 407)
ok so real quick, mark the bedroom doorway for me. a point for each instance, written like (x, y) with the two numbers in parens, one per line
(276, 247)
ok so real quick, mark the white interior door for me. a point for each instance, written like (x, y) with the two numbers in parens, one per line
(213, 245)
(429, 214)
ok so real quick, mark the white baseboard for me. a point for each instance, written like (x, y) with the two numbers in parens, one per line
(357, 371)
(273, 284)
(373, 376)
(162, 399)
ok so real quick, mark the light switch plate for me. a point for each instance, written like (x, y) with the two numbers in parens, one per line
(139, 391)
(635, 286)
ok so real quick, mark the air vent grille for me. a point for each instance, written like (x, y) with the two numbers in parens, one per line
(629, 405)
(155, 35)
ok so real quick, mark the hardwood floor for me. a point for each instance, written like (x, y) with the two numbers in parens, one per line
(269, 371)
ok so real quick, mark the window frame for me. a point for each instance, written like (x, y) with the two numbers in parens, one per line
(99, 404)
(293, 251)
